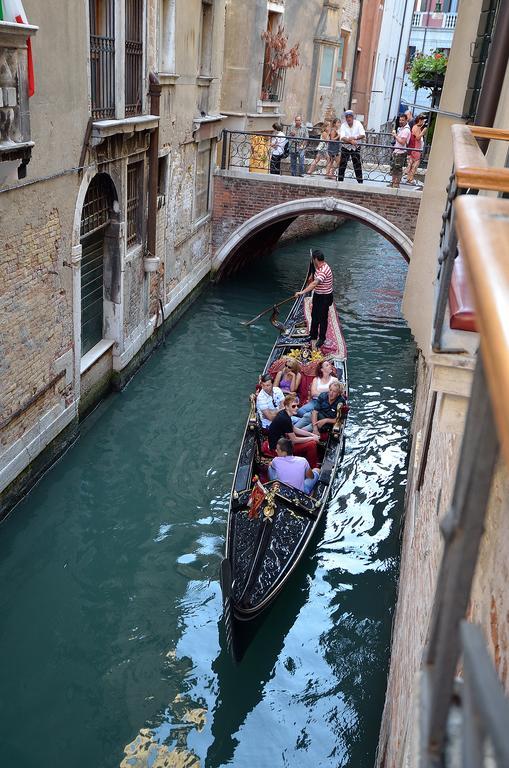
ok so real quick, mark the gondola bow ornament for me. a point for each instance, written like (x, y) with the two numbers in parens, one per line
(256, 498)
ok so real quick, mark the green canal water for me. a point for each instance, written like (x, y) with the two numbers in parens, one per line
(111, 647)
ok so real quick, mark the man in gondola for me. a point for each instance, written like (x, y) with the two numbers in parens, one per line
(269, 400)
(292, 470)
(304, 443)
(322, 284)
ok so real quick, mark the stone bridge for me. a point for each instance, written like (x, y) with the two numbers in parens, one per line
(246, 204)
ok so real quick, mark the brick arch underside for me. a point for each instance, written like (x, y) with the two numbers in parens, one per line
(290, 210)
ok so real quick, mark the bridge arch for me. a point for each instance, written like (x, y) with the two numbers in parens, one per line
(293, 208)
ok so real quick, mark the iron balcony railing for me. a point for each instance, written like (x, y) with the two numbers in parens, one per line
(470, 174)
(251, 152)
(102, 59)
(480, 226)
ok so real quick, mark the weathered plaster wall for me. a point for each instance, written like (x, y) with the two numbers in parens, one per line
(35, 304)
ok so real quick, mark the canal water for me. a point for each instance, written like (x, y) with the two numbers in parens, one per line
(111, 649)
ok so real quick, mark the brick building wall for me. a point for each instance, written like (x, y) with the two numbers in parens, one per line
(239, 198)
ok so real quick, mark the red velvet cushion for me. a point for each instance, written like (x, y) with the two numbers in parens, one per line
(461, 306)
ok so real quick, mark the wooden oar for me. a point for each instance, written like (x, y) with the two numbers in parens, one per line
(269, 309)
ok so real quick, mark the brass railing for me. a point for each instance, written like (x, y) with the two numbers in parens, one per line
(481, 226)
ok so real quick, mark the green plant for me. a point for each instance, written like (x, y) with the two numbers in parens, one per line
(425, 71)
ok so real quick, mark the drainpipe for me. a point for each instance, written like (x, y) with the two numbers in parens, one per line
(494, 74)
(153, 163)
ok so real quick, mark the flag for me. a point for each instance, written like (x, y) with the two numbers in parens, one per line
(256, 498)
(13, 11)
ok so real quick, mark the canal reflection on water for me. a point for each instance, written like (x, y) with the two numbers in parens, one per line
(110, 645)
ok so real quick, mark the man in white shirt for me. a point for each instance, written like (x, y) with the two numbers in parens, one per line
(351, 133)
(269, 400)
(399, 153)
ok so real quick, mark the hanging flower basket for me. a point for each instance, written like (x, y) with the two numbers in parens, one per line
(428, 71)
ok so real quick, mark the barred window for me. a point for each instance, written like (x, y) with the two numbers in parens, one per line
(202, 180)
(102, 58)
(134, 202)
(133, 56)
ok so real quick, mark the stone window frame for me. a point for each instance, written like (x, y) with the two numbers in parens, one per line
(342, 55)
(327, 47)
(119, 7)
(167, 53)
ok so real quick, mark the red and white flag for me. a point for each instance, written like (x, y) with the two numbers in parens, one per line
(13, 11)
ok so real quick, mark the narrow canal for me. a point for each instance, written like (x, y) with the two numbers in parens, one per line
(109, 639)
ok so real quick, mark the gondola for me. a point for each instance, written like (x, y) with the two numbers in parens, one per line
(263, 551)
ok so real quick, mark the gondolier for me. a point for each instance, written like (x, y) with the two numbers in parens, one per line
(323, 286)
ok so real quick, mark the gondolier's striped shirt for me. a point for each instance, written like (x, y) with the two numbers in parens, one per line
(325, 279)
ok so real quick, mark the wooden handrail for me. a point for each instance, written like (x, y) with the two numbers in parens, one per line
(483, 231)
(470, 165)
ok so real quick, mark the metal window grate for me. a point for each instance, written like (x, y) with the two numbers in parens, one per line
(96, 208)
(102, 58)
(133, 56)
(134, 197)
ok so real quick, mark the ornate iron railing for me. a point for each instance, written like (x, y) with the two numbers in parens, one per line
(252, 152)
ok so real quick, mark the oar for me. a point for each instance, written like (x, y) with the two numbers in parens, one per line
(269, 309)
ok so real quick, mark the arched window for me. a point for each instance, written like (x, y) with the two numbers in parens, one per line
(95, 218)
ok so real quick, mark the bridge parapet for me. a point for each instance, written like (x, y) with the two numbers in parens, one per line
(369, 160)
(245, 203)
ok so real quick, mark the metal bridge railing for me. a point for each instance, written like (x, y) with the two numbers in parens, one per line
(251, 152)
(470, 174)
(481, 227)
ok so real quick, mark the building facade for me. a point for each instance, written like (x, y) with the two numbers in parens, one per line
(433, 25)
(387, 80)
(448, 354)
(254, 96)
(105, 197)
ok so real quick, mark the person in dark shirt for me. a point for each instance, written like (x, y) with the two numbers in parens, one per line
(304, 444)
(324, 415)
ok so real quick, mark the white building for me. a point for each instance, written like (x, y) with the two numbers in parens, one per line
(433, 25)
(390, 63)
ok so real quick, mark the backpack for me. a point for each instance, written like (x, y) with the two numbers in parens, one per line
(286, 149)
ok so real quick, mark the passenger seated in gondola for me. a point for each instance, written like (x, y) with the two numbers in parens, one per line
(324, 415)
(304, 444)
(289, 377)
(292, 470)
(269, 400)
(324, 376)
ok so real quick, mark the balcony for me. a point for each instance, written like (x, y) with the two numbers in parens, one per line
(435, 20)
(15, 138)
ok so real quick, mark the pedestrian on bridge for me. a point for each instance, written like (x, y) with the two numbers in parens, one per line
(322, 284)
(300, 133)
(278, 144)
(351, 133)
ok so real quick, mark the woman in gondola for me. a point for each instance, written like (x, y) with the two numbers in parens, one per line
(323, 377)
(289, 377)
